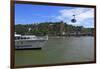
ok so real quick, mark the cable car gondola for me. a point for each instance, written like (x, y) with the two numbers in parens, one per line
(73, 20)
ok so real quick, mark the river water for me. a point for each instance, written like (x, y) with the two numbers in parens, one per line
(58, 50)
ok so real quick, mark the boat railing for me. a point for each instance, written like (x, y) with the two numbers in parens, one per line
(42, 37)
(32, 38)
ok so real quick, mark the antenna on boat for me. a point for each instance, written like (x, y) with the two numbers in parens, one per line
(74, 19)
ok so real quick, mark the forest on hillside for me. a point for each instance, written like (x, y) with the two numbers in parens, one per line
(52, 28)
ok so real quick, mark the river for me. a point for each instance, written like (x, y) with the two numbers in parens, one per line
(58, 50)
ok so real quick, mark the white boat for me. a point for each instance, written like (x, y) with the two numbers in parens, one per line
(29, 41)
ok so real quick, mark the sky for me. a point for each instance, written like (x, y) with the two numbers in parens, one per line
(29, 14)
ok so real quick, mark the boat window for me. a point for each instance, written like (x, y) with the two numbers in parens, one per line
(16, 38)
(22, 37)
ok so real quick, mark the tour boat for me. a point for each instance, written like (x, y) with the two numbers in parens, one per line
(29, 41)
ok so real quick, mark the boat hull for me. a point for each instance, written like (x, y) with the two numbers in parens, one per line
(29, 44)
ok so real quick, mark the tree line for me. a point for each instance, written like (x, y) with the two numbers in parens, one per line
(51, 28)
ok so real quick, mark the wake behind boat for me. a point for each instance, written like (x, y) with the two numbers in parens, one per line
(29, 41)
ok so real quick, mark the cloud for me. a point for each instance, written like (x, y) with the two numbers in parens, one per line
(82, 15)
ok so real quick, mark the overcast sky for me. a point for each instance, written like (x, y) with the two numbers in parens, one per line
(28, 14)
